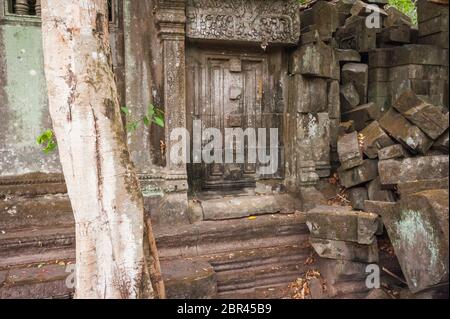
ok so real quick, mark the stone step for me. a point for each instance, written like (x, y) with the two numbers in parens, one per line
(36, 240)
(19, 212)
(213, 237)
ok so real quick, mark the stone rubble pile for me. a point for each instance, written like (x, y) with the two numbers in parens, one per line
(389, 132)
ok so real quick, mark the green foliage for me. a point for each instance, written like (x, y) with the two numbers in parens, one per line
(154, 115)
(407, 7)
(47, 141)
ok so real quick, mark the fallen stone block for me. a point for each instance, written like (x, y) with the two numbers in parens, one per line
(358, 74)
(343, 250)
(419, 234)
(374, 138)
(315, 59)
(396, 18)
(357, 196)
(346, 127)
(442, 142)
(342, 223)
(361, 8)
(404, 132)
(429, 118)
(315, 16)
(395, 35)
(347, 55)
(359, 175)
(356, 36)
(363, 115)
(375, 192)
(392, 152)
(413, 169)
(407, 188)
(349, 97)
(349, 152)
(433, 23)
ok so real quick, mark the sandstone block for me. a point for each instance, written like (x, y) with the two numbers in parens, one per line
(359, 175)
(374, 138)
(404, 132)
(431, 119)
(350, 154)
(349, 97)
(342, 223)
(413, 169)
(392, 152)
(357, 196)
(358, 74)
(343, 250)
(419, 233)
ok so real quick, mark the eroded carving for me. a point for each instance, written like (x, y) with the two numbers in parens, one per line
(265, 21)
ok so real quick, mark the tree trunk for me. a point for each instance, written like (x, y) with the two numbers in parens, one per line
(102, 184)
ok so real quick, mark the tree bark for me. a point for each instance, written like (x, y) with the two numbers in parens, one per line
(101, 181)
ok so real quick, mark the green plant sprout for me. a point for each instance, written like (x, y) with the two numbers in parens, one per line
(154, 115)
(47, 141)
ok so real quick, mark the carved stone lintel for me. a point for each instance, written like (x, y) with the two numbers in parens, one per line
(262, 21)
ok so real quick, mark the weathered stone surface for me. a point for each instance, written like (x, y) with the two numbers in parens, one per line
(195, 211)
(418, 54)
(396, 18)
(407, 188)
(350, 154)
(308, 95)
(343, 250)
(406, 133)
(377, 294)
(429, 118)
(349, 97)
(261, 21)
(347, 55)
(341, 223)
(376, 193)
(413, 169)
(334, 102)
(358, 74)
(236, 207)
(363, 115)
(396, 35)
(314, 18)
(357, 196)
(185, 279)
(346, 127)
(391, 152)
(310, 198)
(433, 23)
(442, 142)
(355, 35)
(361, 8)
(313, 143)
(315, 59)
(358, 175)
(419, 233)
(374, 138)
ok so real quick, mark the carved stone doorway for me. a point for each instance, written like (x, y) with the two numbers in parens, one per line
(226, 89)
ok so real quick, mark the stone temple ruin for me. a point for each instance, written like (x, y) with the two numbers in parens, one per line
(362, 183)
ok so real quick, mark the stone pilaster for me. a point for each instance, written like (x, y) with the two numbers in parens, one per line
(171, 22)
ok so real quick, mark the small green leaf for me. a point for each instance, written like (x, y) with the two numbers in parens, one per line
(125, 110)
(151, 110)
(146, 120)
(47, 140)
(158, 121)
